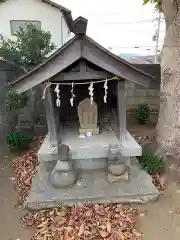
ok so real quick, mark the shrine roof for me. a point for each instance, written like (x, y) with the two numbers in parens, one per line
(80, 47)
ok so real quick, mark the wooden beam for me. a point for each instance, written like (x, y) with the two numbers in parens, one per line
(83, 66)
(121, 107)
(51, 118)
(73, 76)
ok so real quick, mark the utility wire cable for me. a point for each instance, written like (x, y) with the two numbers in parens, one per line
(133, 22)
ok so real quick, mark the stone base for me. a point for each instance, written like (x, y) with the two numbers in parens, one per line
(92, 187)
(112, 179)
(94, 147)
(95, 131)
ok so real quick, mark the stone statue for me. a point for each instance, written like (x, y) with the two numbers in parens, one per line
(88, 115)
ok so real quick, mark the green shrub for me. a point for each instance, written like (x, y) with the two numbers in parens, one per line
(142, 113)
(18, 140)
(15, 101)
(151, 163)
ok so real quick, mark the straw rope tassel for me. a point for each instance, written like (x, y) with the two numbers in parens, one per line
(91, 94)
(58, 101)
(72, 95)
(105, 91)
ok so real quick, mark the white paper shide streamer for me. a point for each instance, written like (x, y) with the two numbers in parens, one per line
(72, 95)
(91, 94)
(105, 91)
(57, 90)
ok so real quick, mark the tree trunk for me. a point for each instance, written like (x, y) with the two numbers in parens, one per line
(168, 127)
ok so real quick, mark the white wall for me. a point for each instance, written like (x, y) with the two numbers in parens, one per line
(50, 17)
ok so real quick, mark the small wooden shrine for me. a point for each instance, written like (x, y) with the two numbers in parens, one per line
(87, 153)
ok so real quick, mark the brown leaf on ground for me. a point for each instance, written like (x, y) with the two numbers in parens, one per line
(108, 225)
(25, 167)
(159, 181)
(81, 230)
(178, 211)
(92, 222)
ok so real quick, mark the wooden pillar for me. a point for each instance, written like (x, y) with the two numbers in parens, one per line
(51, 117)
(121, 107)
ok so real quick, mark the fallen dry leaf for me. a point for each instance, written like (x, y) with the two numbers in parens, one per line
(108, 225)
(114, 222)
(81, 229)
(103, 234)
(159, 181)
(24, 168)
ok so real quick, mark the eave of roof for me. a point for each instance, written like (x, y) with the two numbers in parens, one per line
(69, 43)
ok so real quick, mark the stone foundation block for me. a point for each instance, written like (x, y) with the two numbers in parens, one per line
(113, 179)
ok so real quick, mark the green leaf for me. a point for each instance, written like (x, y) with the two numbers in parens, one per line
(158, 3)
(15, 101)
(30, 48)
(142, 113)
(151, 163)
(18, 140)
(146, 1)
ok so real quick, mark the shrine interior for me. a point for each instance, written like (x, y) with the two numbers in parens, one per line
(69, 121)
(69, 114)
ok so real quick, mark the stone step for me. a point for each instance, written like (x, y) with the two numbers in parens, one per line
(92, 187)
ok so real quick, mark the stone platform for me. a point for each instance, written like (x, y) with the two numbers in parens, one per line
(94, 147)
(92, 187)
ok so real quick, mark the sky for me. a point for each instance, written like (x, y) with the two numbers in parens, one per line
(124, 26)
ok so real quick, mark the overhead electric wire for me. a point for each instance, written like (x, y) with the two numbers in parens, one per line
(133, 46)
(133, 22)
(141, 31)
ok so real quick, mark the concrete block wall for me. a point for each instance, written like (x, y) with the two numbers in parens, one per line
(8, 72)
(136, 95)
(151, 95)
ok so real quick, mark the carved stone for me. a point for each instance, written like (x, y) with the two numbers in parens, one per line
(63, 152)
(63, 175)
(88, 115)
(113, 179)
(116, 169)
(112, 158)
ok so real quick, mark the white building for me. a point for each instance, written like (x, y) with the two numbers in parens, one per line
(45, 14)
